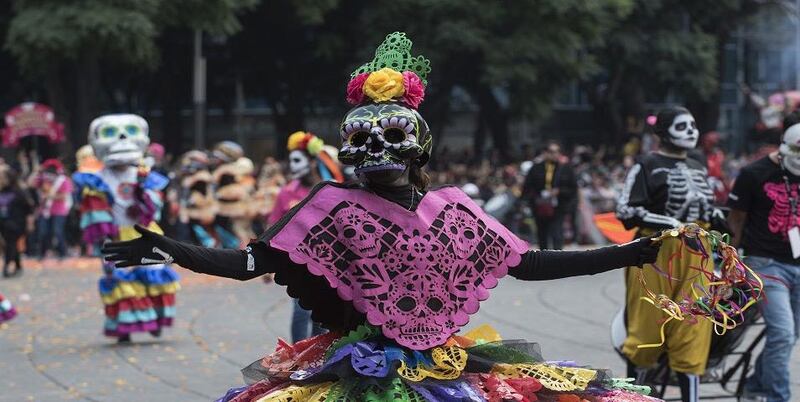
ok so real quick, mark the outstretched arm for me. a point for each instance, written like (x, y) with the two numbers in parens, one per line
(552, 264)
(153, 248)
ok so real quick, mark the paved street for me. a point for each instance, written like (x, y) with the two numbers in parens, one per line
(54, 350)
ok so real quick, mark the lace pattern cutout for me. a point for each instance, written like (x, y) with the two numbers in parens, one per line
(554, 378)
(395, 53)
(448, 363)
(297, 393)
(419, 285)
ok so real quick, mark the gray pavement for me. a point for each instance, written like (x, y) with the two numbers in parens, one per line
(54, 350)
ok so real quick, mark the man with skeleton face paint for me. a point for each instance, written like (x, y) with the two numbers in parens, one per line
(765, 222)
(122, 194)
(401, 266)
(665, 190)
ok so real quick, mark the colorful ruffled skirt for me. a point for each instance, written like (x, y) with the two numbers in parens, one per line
(140, 299)
(7, 311)
(479, 366)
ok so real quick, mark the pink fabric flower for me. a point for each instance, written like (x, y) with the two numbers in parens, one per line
(355, 89)
(415, 89)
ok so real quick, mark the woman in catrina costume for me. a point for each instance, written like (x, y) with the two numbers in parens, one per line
(394, 270)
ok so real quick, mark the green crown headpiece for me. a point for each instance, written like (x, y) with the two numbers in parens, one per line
(395, 53)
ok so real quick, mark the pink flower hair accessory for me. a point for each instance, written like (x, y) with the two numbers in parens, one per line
(415, 89)
(355, 89)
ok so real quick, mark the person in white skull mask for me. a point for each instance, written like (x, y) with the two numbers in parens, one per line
(122, 194)
(790, 150)
(663, 190)
(765, 223)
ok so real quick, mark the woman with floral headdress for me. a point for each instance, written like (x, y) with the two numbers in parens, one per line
(394, 270)
(309, 164)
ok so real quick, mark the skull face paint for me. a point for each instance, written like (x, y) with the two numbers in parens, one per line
(299, 164)
(119, 139)
(790, 149)
(384, 136)
(683, 131)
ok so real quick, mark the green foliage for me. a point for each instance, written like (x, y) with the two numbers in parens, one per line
(529, 48)
(218, 17)
(46, 32)
(661, 47)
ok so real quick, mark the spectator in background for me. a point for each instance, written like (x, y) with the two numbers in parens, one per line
(15, 207)
(155, 159)
(551, 188)
(764, 215)
(55, 201)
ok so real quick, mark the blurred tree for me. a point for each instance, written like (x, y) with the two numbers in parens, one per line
(664, 50)
(511, 57)
(296, 55)
(69, 45)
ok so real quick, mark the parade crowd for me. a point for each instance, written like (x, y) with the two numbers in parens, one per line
(220, 199)
(46, 219)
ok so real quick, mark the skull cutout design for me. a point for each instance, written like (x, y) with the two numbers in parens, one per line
(419, 306)
(383, 136)
(359, 231)
(462, 229)
(119, 139)
(683, 131)
(417, 276)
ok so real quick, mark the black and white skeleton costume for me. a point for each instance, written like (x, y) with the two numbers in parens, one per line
(662, 192)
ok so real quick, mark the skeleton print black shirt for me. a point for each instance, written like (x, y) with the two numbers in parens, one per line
(661, 191)
(760, 191)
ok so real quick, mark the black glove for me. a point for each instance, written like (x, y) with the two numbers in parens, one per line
(648, 249)
(152, 248)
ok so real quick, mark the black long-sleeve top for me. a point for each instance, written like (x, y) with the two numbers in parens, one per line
(662, 191)
(535, 265)
(563, 179)
(315, 294)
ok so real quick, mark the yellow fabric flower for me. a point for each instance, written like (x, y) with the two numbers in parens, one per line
(384, 84)
(295, 140)
(315, 145)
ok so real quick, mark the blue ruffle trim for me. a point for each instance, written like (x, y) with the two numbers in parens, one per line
(94, 217)
(159, 275)
(155, 181)
(92, 181)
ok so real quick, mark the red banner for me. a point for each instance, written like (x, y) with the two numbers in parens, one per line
(29, 119)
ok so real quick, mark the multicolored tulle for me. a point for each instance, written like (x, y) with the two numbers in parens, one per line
(366, 366)
(7, 310)
(141, 299)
